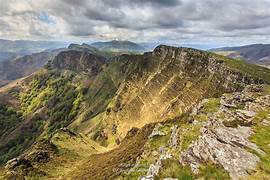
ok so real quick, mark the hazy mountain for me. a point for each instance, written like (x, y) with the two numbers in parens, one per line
(85, 117)
(11, 49)
(255, 53)
(20, 67)
(118, 46)
(84, 47)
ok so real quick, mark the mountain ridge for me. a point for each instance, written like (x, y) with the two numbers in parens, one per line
(254, 53)
(115, 107)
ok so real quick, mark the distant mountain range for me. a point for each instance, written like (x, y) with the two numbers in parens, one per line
(22, 66)
(11, 49)
(17, 59)
(255, 53)
(119, 46)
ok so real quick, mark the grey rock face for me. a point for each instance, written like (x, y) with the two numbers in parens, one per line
(173, 142)
(228, 146)
(230, 100)
(223, 146)
(156, 131)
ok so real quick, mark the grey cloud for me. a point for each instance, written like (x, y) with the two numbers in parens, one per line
(108, 14)
(144, 19)
(157, 3)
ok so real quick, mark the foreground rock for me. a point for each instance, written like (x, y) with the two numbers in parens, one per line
(225, 135)
(223, 146)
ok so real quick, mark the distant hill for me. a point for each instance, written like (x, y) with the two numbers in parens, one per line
(119, 46)
(255, 53)
(83, 47)
(24, 66)
(11, 49)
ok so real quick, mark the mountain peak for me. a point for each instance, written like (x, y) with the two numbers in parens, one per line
(79, 61)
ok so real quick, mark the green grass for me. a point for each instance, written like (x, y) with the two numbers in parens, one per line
(201, 117)
(137, 172)
(172, 168)
(190, 134)
(9, 119)
(158, 141)
(100, 94)
(212, 105)
(262, 139)
(212, 172)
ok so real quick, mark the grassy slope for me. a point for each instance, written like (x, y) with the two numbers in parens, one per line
(73, 150)
(110, 164)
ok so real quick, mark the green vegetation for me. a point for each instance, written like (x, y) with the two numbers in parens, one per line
(190, 133)
(212, 105)
(52, 92)
(172, 168)
(158, 141)
(100, 94)
(57, 94)
(211, 171)
(9, 119)
(16, 146)
(262, 139)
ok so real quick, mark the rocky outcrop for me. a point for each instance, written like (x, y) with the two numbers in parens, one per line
(223, 146)
(156, 131)
(174, 137)
(155, 168)
(225, 135)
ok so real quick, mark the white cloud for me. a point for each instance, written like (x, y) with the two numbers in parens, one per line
(225, 21)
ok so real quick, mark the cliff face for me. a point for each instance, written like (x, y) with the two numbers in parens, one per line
(167, 83)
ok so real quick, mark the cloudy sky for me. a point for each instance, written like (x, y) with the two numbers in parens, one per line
(216, 22)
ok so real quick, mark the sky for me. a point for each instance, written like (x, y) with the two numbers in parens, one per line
(209, 22)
